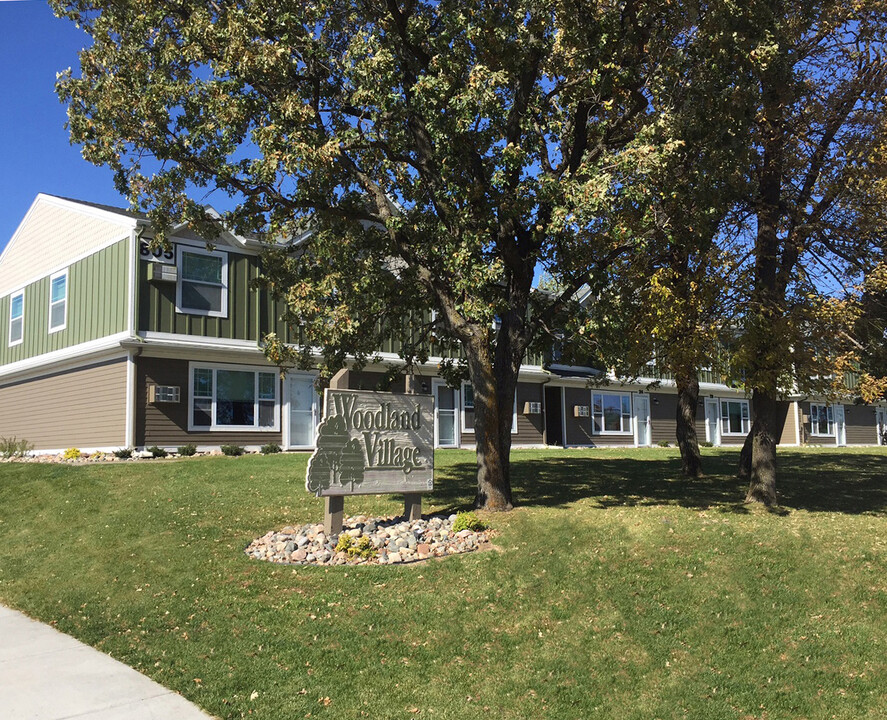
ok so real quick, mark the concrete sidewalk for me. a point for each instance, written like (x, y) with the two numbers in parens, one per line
(46, 675)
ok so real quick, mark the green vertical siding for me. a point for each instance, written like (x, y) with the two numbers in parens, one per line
(157, 305)
(97, 292)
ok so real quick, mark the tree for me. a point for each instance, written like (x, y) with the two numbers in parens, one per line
(820, 72)
(672, 302)
(441, 151)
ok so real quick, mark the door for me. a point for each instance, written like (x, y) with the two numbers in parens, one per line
(881, 414)
(554, 421)
(840, 425)
(446, 426)
(642, 420)
(303, 411)
(712, 421)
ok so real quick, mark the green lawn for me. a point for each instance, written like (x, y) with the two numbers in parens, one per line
(619, 591)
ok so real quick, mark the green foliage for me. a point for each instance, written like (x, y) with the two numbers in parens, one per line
(232, 450)
(14, 448)
(361, 547)
(706, 443)
(72, 454)
(187, 450)
(157, 452)
(468, 521)
(664, 444)
(123, 453)
(270, 448)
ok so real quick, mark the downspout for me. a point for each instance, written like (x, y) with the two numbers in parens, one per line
(545, 407)
(131, 354)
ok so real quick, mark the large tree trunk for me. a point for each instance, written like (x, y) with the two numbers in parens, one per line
(762, 484)
(745, 455)
(688, 396)
(493, 446)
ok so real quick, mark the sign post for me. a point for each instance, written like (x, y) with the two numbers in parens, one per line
(372, 443)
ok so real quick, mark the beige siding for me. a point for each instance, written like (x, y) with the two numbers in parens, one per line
(861, 424)
(166, 424)
(663, 418)
(83, 407)
(789, 424)
(529, 427)
(51, 236)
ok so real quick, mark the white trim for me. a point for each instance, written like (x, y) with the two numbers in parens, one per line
(52, 278)
(174, 340)
(255, 369)
(132, 265)
(12, 296)
(462, 387)
(457, 439)
(830, 422)
(708, 404)
(721, 432)
(74, 352)
(602, 431)
(840, 426)
(797, 407)
(129, 430)
(223, 255)
(286, 419)
(647, 420)
(563, 416)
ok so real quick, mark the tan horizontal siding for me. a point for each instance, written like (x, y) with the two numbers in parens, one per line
(861, 425)
(664, 418)
(166, 424)
(529, 427)
(789, 424)
(82, 407)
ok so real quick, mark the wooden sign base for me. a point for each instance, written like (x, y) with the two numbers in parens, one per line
(334, 511)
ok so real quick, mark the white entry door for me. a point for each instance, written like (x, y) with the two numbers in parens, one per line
(840, 425)
(881, 415)
(446, 425)
(642, 420)
(303, 414)
(712, 421)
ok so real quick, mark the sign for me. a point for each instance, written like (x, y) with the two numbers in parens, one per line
(373, 442)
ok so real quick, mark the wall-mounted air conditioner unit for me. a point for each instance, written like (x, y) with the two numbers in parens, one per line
(580, 411)
(532, 408)
(164, 394)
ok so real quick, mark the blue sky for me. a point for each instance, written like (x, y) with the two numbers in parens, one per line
(35, 155)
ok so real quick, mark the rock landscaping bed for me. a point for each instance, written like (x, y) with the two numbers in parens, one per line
(373, 541)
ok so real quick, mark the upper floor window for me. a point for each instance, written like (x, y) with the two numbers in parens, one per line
(734, 417)
(16, 317)
(611, 412)
(202, 287)
(58, 301)
(822, 420)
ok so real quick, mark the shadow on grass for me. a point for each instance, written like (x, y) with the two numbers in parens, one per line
(817, 481)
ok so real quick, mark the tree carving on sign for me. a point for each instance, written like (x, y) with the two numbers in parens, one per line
(337, 460)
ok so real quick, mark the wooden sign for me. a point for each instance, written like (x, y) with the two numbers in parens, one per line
(373, 442)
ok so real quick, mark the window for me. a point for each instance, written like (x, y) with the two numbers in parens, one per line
(468, 409)
(202, 287)
(822, 421)
(611, 413)
(16, 317)
(734, 417)
(232, 397)
(58, 301)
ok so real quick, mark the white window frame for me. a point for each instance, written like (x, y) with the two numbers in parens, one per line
(21, 319)
(180, 250)
(53, 278)
(213, 427)
(463, 408)
(744, 418)
(829, 419)
(622, 416)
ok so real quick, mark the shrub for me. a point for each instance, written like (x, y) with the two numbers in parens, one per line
(468, 521)
(72, 454)
(232, 450)
(98, 455)
(157, 452)
(123, 453)
(362, 547)
(12, 447)
(270, 449)
(707, 444)
(187, 450)
(664, 443)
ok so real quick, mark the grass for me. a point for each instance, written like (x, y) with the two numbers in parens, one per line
(620, 590)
